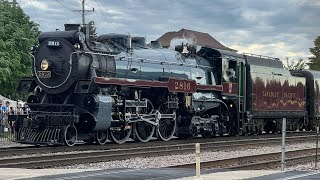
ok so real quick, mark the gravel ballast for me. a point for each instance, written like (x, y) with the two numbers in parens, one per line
(163, 161)
(7, 144)
(303, 167)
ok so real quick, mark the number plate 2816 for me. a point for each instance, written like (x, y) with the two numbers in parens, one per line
(44, 74)
(180, 85)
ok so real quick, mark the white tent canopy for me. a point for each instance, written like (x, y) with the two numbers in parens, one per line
(13, 103)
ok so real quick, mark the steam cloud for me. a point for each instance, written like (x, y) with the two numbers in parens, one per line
(178, 41)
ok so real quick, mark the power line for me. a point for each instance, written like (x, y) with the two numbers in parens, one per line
(104, 16)
(83, 18)
(83, 12)
(102, 24)
(96, 14)
(35, 12)
(66, 7)
(90, 6)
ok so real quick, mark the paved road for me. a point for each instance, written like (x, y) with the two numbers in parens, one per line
(171, 173)
(296, 175)
(122, 174)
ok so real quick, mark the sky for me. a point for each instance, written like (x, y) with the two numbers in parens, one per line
(276, 28)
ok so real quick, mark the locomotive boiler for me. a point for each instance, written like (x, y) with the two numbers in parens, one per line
(119, 88)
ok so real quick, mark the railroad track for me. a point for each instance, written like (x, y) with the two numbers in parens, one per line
(13, 151)
(257, 162)
(45, 161)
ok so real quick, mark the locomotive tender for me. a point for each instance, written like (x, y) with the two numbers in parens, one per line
(117, 88)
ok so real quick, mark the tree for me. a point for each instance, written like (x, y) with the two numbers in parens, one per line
(17, 35)
(295, 65)
(314, 63)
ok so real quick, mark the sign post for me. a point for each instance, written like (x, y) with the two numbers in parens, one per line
(283, 148)
(198, 162)
(317, 143)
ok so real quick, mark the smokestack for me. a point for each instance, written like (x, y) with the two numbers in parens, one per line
(71, 27)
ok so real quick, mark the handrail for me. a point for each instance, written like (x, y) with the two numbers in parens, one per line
(166, 62)
(262, 56)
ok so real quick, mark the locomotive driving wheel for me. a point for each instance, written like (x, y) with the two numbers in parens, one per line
(142, 129)
(120, 130)
(102, 137)
(167, 126)
(122, 135)
(70, 135)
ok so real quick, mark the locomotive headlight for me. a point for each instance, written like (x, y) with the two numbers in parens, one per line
(44, 64)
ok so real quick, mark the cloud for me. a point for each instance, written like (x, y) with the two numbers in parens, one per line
(277, 28)
(41, 5)
(272, 50)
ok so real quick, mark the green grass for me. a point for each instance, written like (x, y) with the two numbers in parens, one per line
(7, 135)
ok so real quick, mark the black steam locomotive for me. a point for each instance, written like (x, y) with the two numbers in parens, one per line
(118, 87)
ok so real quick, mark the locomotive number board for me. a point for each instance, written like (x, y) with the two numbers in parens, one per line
(44, 74)
(54, 44)
(177, 85)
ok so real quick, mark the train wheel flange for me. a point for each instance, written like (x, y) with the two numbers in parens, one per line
(122, 135)
(70, 135)
(102, 137)
(143, 130)
(167, 127)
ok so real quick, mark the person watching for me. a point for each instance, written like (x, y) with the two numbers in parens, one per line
(1, 116)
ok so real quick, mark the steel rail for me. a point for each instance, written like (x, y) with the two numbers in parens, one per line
(4, 152)
(42, 161)
(256, 162)
(54, 149)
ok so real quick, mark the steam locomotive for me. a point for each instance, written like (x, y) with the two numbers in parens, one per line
(117, 87)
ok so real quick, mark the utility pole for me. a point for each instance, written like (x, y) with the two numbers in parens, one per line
(283, 147)
(83, 12)
(83, 20)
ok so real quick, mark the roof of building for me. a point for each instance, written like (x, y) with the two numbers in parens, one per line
(199, 38)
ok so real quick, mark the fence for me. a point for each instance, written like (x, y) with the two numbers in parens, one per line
(7, 135)
(7, 129)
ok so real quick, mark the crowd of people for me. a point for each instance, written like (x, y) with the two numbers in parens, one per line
(7, 109)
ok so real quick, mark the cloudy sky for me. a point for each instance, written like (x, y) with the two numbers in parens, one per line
(277, 28)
